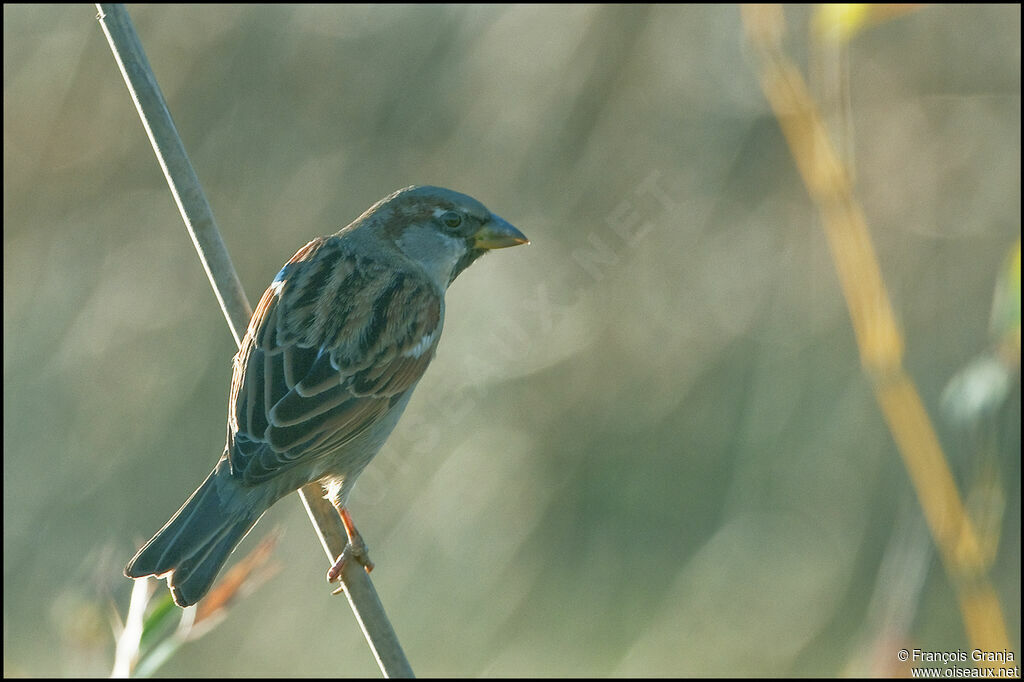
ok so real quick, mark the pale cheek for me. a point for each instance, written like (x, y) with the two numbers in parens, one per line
(438, 253)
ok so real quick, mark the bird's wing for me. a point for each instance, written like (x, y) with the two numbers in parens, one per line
(334, 343)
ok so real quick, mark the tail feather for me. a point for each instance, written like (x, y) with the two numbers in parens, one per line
(194, 545)
(192, 579)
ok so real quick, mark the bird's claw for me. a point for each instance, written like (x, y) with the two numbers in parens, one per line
(355, 551)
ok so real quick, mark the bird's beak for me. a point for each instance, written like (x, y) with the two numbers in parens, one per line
(496, 233)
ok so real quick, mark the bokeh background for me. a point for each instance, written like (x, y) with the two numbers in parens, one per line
(646, 446)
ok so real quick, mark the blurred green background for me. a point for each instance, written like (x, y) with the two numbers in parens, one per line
(646, 446)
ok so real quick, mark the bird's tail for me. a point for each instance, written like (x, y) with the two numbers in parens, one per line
(193, 546)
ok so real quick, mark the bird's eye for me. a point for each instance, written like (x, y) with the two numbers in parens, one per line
(451, 219)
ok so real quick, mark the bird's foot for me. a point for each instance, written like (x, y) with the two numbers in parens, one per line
(352, 552)
(355, 550)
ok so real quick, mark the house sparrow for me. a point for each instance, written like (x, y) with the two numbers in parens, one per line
(332, 354)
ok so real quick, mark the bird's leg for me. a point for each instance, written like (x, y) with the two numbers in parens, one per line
(354, 549)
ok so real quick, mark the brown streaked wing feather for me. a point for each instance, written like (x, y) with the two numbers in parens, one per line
(392, 377)
(251, 408)
(246, 395)
(343, 427)
(329, 349)
(321, 376)
(297, 363)
(294, 408)
(347, 418)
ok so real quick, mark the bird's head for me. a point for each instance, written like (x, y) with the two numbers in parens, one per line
(441, 230)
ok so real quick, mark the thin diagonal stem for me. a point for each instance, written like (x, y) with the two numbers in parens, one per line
(198, 216)
(181, 177)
